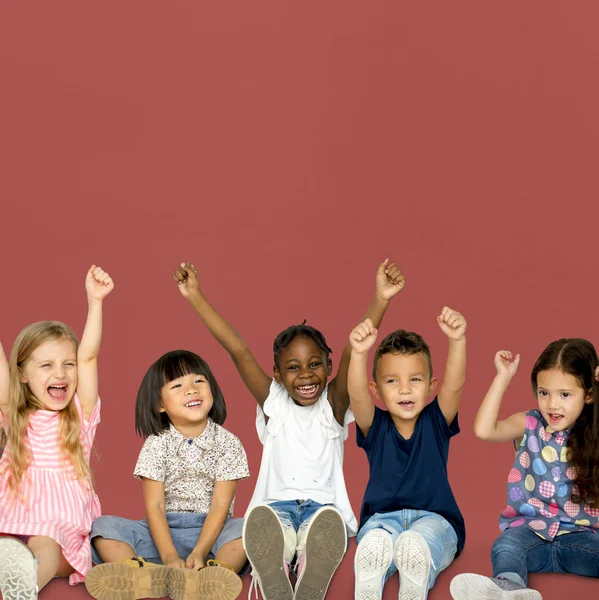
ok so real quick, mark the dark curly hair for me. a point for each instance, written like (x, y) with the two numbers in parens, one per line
(578, 357)
(284, 339)
(403, 342)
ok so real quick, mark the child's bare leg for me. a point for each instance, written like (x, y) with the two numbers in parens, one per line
(113, 551)
(51, 562)
(232, 553)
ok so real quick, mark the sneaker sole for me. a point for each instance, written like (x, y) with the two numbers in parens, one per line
(18, 570)
(469, 586)
(326, 542)
(413, 561)
(373, 559)
(264, 544)
(210, 583)
(115, 581)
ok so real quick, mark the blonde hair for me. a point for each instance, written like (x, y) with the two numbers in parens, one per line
(22, 403)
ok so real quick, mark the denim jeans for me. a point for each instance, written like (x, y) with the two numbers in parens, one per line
(439, 535)
(520, 551)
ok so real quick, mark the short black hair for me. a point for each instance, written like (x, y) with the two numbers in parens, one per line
(403, 342)
(284, 339)
(172, 365)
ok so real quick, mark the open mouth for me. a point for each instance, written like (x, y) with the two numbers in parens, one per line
(407, 404)
(58, 392)
(307, 391)
(555, 417)
(193, 404)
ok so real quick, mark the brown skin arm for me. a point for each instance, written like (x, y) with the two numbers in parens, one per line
(254, 378)
(390, 281)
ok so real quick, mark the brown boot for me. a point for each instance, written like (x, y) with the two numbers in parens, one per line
(215, 581)
(132, 579)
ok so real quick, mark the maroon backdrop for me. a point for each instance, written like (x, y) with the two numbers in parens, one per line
(286, 148)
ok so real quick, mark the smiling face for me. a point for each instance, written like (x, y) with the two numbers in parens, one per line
(303, 369)
(187, 400)
(403, 383)
(51, 373)
(561, 398)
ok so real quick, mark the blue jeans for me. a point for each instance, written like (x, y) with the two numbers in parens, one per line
(521, 551)
(185, 531)
(439, 535)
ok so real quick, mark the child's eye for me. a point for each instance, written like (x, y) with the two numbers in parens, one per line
(46, 365)
(175, 386)
(542, 393)
(70, 364)
(293, 367)
(391, 380)
(415, 378)
(315, 364)
(200, 380)
(566, 394)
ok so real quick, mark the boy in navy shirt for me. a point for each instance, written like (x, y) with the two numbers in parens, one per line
(410, 521)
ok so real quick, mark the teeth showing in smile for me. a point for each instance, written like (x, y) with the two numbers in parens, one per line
(307, 390)
(58, 392)
(554, 416)
(193, 403)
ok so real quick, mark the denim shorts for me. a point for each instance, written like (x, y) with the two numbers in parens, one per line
(185, 531)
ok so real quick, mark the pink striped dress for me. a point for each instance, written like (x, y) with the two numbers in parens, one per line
(57, 504)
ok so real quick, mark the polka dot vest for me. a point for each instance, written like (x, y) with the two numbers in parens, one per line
(540, 485)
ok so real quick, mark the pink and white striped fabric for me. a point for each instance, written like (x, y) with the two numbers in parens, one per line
(56, 504)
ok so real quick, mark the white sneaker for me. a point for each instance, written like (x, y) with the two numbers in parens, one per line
(321, 547)
(264, 544)
(469, 586)
(18, 570)
(413, 561)
(373, 559)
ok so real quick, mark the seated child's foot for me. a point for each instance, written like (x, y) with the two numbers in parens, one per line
(469, 586)
(264, 543)
(413, 561)
(373, 558)
(326, 542)
(18, 570)
(129, 580)
(216, 581)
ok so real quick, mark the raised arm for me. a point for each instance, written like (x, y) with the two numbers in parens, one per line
(4, 383)
(361, 340)
(224, 492)
(453, 325)
(390, 281)
(486, 424)
(98, 285)
(255, 379)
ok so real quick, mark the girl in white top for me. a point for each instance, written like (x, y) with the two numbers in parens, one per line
(300, 506)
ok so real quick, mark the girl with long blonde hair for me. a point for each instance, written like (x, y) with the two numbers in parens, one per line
(49, 410)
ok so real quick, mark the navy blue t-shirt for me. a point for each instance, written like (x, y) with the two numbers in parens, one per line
(410, 473)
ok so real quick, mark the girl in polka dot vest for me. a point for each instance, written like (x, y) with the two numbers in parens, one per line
(551, 521)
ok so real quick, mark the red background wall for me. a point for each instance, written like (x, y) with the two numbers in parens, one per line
(287, 148)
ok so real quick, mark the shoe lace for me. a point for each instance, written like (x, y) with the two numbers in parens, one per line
(254, 584)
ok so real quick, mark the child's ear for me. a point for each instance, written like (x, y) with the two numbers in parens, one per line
(589, 397)
(277, 374)
(374, 389)
(329, 366)
(22, 377)
(432, 386)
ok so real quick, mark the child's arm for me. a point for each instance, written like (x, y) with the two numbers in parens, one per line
(390, 281)
(4, 383)
(361, 339)
(98, 285)
(486, 425)
(153, 493)
(224, 492)
(453, 325)
(255, 379)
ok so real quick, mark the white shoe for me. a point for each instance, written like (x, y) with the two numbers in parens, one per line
(469, 586)
(413, 561)
(373, 559)
(18, 570)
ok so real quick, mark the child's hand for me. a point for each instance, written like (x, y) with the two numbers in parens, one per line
(505, 364)
(186, 277)
(98, 283)
(363, 337)
(195, 561)
(452, 324)
(389, 280)
(175, 562)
